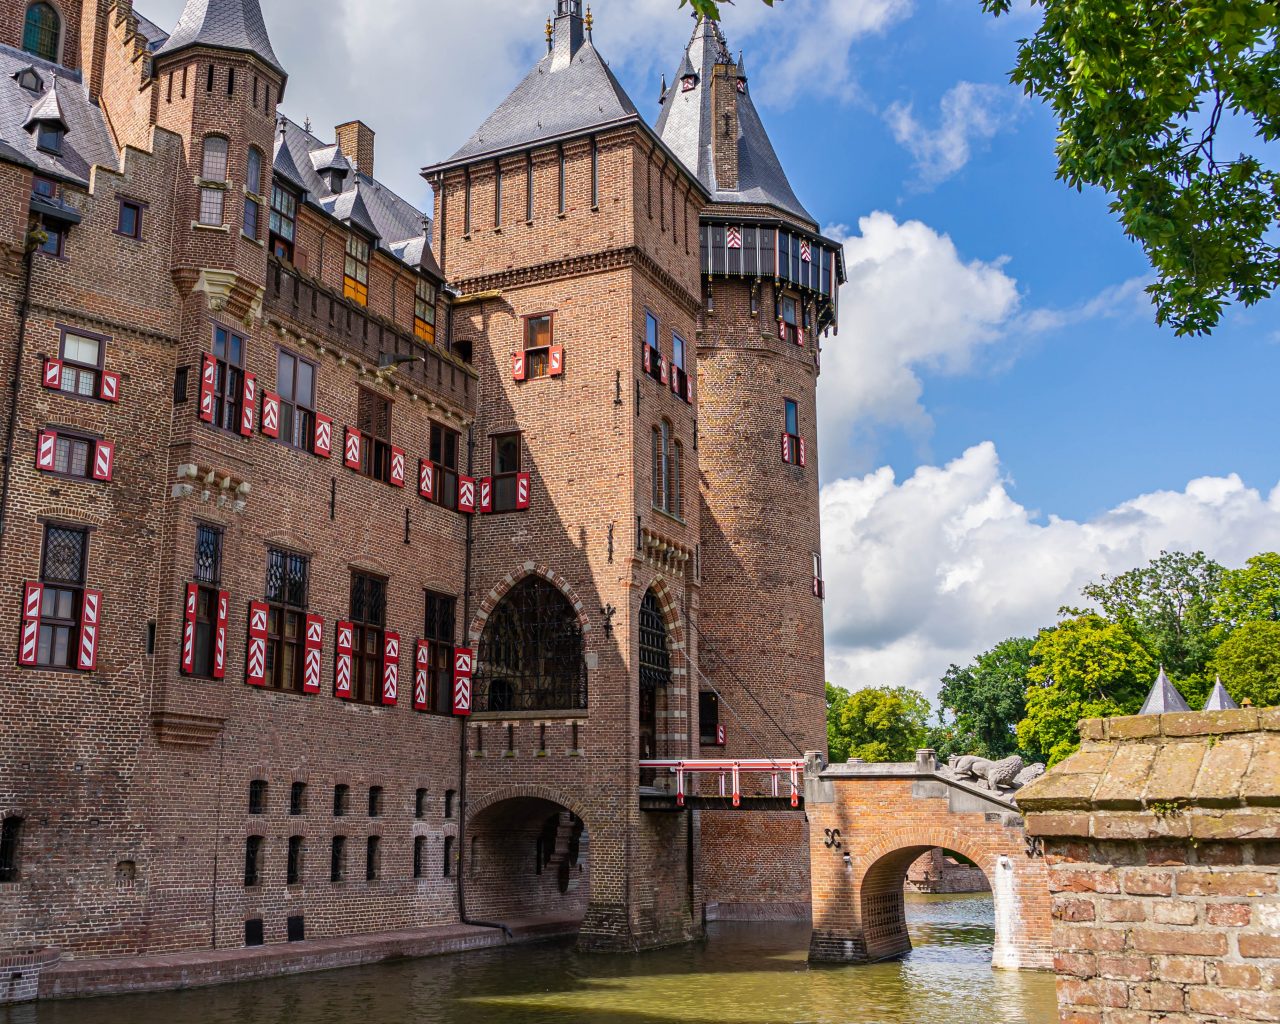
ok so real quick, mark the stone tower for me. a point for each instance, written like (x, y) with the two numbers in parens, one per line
(568, 229)
(769, 284)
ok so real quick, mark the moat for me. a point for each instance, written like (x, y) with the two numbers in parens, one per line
(742, 974)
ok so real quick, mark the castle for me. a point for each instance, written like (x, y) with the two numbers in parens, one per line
(351, 556)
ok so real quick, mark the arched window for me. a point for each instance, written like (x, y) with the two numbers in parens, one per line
(655, 657)
(41, 31)
(213, 163)
(531, 656)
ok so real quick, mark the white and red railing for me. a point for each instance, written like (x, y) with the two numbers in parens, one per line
(730, 774)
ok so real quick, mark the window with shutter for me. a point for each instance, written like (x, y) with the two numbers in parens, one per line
(228, 379)
(654, 364)
(438, 634)
(296, 387)
(205, 615)
(369, 619)
(445, 447)
(286, 599)
(374, 423)
(792, 443)
(81, 356)
(390, 668)
(55, 610)
(505, 464)
(539, 332)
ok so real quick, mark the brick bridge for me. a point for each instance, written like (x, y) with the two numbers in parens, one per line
(869, 822)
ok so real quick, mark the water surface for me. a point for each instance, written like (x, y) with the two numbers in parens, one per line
(742, 974)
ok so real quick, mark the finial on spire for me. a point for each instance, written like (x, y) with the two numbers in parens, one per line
(550, 34)
(662, 95)
(306, 124)
(590, 21)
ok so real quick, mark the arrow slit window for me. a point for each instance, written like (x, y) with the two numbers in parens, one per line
(531, 653)
(63, 575)
(369, 616)
(538, 339)
(286, 618)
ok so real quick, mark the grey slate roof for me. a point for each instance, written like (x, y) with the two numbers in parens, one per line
(1220, 700)
(400, 228)
(87, 141)
(47, 109)
(1164, 697)
(571, 91)
(224, 25)
(685, 125)
(151, 32)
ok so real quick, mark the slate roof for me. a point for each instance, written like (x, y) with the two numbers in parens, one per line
(87, 141)
(151, 32)
(685, 125)
(224, 25)
(400, 228)
(1164, 697)
(1220, 699)
(570, 92)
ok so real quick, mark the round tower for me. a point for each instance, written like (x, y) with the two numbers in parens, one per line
(770, 285)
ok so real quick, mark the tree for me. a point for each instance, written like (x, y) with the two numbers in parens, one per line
(1252, 593)
(878, 724)
(711, 8)
(1169, 606)
(1148, 96)
(1085, 667)
(1249, 663)
(987, 698)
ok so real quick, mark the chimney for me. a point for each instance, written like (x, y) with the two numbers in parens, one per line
(356, 140)
(724, 129)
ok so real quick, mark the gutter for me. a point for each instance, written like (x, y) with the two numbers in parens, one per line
(15, 384)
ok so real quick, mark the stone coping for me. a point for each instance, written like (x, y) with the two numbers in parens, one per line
(1186, 775)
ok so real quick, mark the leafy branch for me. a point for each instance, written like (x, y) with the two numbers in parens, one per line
(711, 8)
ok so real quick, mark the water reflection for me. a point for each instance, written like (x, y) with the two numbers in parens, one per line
(743, 974)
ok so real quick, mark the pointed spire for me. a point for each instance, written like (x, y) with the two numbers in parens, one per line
(1164, 697)
(47, 109)
(569, 34)
(662, 93)
(223, 25)
(1220, 699)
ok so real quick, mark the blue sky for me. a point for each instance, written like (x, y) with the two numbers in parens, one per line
(1001, 420)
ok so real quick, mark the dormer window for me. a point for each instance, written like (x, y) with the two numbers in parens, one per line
(337, 179)
(29, 79)
(42, 31)
(49, 138)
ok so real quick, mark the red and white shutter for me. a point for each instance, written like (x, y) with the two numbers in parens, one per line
(802, 453)
(220, 635)
(343, 664)
(819, 588)
(189, 629)
(782, 329)
(466, 494)
(109, 387)
(486, 495)
(390, 668)
(255, 661)
(519, 369)
(324, 437)
(271, 414)
(46, 451)
(675, 379)
(800, 336)
(104, 460)
(463, 662)
(806, 250)
(248, 402)
(427, 479)
(523, 482)
(786, 448)
(734, 238)
(311, 657)
(90, 615)
(52, 377)
(688, 388)
(351, 450)
(422, 677)
(662, 368)
(397, 467)
(555, 361)
(721, 736)
(648, 358)
(29, 649)
(208, 386)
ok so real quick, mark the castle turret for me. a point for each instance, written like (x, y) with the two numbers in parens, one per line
(770, 283)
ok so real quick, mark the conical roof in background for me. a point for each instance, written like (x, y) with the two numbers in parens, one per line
(1220, 699)
(224, 25)
(686, 126)
(1164, 697)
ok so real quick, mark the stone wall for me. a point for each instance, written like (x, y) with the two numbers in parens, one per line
(936, 872)
(1162, 837)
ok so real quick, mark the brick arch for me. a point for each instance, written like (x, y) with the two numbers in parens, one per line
(527, 792)
(495, 596)
(71, 515)
(671, 615)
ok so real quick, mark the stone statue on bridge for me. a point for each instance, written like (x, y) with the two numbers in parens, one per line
(1002, 777)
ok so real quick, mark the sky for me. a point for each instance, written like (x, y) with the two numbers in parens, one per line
(1001, 422)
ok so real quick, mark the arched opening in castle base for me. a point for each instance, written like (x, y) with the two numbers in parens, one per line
(527, 858)
(883, 906)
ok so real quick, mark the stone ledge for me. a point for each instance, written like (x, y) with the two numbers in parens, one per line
(1233, 825)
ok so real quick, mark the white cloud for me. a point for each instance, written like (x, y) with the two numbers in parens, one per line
(970, 114)
(940, 567)
(912, 303)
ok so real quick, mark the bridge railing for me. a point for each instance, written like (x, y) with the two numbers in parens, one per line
(730, 774)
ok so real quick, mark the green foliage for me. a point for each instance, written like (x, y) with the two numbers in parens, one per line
(711, 8)
(1251, 593)
(1169, 606)
(1249, 663)
(1140, 89)
(879, 724)
(987, 698)
(1085, 667)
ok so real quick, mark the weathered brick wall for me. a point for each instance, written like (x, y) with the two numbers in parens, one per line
(1162, 838)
